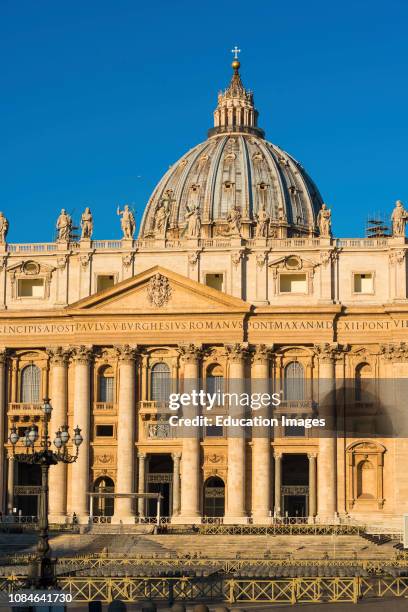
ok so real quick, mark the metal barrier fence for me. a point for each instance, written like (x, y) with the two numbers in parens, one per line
(230, 590)
(281, 529)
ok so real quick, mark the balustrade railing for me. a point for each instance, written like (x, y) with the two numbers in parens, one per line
(25, 407)
(104, 407)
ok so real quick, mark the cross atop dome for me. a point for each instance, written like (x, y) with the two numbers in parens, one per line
(235, 51)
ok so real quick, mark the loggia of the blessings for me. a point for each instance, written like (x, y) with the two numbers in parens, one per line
(255, 421)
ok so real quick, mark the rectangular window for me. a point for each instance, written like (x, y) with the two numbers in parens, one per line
(105, 281)
(214, 431)
(294, 431)
(215, 281)
(364, 283)
(293, 283)
(31, 287)
(104, 431)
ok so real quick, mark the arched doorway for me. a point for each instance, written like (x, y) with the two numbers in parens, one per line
(214, 496)
(104, 506)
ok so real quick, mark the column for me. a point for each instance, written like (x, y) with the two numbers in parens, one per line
(327, 464)
(278, 484)
(10, 485)
(141, 484)
(312, 487)
(191, 455)
(125, 468)
(59, 397)
(3, 427)
(261, 446)
(236, 511)
(176, 483)
(82, 412)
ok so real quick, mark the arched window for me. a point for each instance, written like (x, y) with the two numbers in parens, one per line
(215, 379)
(104, 506)
(30, 384)
(160, 383)
(214, 497)
(294, 381)
(363, 374)
(106, 384)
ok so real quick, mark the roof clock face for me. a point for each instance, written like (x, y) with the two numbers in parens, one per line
(235, 168)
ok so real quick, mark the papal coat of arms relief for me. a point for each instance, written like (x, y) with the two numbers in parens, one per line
(159, 290)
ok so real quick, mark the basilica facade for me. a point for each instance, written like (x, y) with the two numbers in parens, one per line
(235, 280)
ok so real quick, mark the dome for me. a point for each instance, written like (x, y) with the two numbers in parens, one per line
(235, 173)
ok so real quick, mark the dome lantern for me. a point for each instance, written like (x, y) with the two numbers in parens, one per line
(235, 111)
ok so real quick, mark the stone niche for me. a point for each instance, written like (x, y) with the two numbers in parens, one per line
(365, 467)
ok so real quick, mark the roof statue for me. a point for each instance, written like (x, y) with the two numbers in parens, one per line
(64, 226)
(399, 218)
(4, 225)
(127, 222)
(324, 222)
(86, 224)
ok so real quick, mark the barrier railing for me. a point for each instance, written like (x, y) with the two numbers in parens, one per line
(230, 590)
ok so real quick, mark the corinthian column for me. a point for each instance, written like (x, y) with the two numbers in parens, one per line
(82, 412)
(125, 474)
(261, 447)
(190, 463)
(236, 511)
(3, 430)
(327, 459)
(176, 483)
(59, 396)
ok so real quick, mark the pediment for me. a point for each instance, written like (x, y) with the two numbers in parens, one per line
(293, 263)
(160, 291)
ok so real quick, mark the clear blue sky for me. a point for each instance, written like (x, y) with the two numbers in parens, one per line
(98, 98)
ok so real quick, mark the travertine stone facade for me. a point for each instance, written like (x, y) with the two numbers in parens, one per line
(233, 278)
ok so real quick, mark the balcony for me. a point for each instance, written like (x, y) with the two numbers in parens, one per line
(104, 408)
(25, 409)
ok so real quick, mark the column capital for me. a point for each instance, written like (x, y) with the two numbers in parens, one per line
(277, 454)
(58, 355)
(262, 353)
(326, 351)
(176, 456)
(3, 356)
(125, 352)
(395, 351)
(312, 455)
(237, 352)
(190, 353)
(83, 354)
(141, 456)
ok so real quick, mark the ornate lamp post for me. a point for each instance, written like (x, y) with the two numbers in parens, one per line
(41, 574)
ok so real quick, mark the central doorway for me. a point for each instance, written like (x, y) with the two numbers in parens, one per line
(295, 485)
(160, 480)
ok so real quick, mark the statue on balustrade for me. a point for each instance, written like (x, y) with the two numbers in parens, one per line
(64, 226)
(262, 223)
(324, 221)
(162, 215)
(127, 222)
(4, 225)
(193, 219)
(86, 224)
(399, 218)
(234, 221)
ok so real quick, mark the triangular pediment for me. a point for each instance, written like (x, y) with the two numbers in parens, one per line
(159, 290)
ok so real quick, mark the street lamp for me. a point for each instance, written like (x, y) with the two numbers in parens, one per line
(41, 573)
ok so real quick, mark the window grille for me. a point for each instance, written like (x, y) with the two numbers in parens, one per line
(31, 384)
(160, 383)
